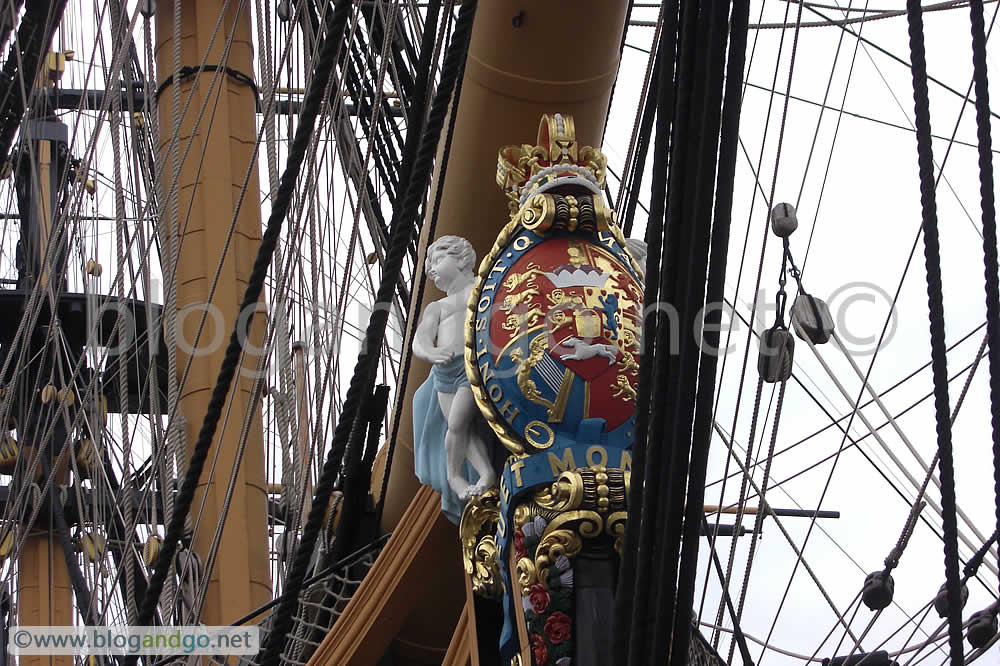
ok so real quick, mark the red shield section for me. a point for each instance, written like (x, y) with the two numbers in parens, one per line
(588, 306)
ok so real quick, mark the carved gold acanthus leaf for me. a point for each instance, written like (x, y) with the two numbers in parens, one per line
(555, 542)
(527, 574)
(479, 547)
(614, 525)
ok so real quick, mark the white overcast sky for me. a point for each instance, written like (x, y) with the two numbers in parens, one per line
(864, 229)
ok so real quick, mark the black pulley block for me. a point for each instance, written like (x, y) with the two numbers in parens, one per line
(941, 600)
(777, 349)
(879, 658)
(982, 628)
(811, 319)
(878, 589)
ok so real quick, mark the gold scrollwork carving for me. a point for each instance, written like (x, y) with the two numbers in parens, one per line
(584, 503)
(565, 494)
(588, 524)
(486, 580)
(555, 542)
(522, 514)
(527, 574)
(537, 213)
(479, 546)
(614, 525)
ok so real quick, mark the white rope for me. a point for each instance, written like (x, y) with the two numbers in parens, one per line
(895, 459)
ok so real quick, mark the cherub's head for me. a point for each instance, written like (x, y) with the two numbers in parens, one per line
(637, 248)
(449, 254)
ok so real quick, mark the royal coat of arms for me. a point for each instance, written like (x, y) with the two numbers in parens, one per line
(552, 359)
(553, 339)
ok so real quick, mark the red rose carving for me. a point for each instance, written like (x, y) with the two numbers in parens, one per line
(557, 627)
(539, 598)
(539, 651)
(519, 549)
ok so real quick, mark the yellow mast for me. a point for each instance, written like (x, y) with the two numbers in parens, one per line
(525, 59)
(44, 591)
(209, 184)
(558, 56)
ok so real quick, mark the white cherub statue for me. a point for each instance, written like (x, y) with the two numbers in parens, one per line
(638, 249)
(440, 339)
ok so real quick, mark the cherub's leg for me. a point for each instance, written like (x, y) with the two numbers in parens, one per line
(454, 447)
(465, 411)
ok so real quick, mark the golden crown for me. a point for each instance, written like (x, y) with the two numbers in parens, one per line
(556, 161)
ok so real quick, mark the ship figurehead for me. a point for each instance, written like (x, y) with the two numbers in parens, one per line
(552, 352)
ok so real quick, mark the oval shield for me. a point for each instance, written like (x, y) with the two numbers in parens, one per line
(553, 344)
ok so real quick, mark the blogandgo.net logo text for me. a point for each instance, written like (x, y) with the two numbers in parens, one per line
(124, 640)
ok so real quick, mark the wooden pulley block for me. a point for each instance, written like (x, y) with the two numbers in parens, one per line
(93, 545)
(878, 658)
(8, 453)
(67, 396)
(982, 628)
(151, 550)
(88, 457)
(878, 590)
(941, 600)
(102, 405)
(783, 220)
(286, 546)
(331, 519)
(187, 563)
(777, 349)
(811, 319)
(7, 542)
(49, 393)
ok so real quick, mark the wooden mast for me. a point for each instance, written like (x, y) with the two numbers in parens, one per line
(525, 59)
(209, 183)
(44, 590)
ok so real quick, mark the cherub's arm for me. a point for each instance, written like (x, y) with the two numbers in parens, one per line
(423, 339)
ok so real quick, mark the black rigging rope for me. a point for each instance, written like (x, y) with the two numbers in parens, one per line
(401, 231)
(741, 640)
(634, 176)
(414, 121)
(939, 361)
(279, 209)
(688, 236)
(189, 71)
(404, 375)
(728, 126)
(634, 567)
(989, 230)
(701, 363)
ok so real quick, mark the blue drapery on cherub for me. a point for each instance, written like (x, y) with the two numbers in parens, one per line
(429, 429)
